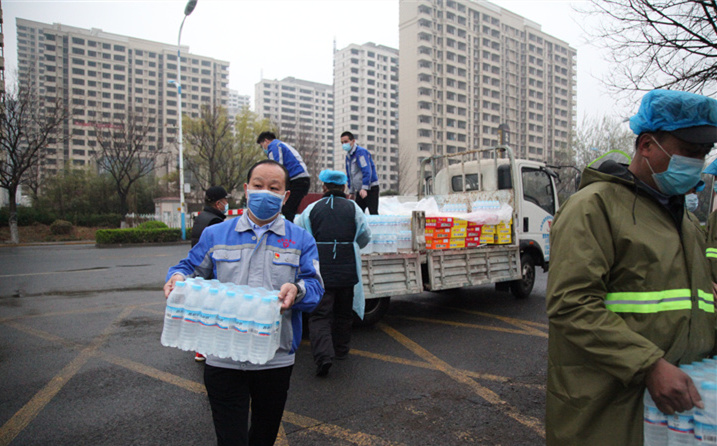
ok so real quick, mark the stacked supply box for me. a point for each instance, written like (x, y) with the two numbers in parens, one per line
(451, 233)
(503, 233)
(487, 236)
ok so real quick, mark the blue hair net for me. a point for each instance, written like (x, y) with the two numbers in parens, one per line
(333, 177)
(711, 169)
(670, 110)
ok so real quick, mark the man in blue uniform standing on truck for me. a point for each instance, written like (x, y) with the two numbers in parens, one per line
(259, 249)
(289, 157)
(361, 172)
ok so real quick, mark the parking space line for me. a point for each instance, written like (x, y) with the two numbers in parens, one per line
(524, 324)
(524, 331)
(428, 365)
(357, 438)
(457, 375)
(23, 417)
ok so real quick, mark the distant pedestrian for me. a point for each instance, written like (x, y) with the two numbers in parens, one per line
(216, 206)
(341, 230)
(362, 176)
(289, 157)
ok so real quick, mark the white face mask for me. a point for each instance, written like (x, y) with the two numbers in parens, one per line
(226, 208)
(692, 202)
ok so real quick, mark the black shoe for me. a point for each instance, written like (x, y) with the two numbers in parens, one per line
(323, 369)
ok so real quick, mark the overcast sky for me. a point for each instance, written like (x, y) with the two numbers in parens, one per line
(274, 39)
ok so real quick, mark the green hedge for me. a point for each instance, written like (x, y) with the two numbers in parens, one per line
(98, 220)
(152, 224)
(136, 235)
(26, 216)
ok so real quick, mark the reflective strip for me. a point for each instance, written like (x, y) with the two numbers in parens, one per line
(649, 301)
(711, 253)
(706, 301)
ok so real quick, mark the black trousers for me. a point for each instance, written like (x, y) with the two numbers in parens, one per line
(371, 201)
(230, 392)
(330, 324)
(299, 188)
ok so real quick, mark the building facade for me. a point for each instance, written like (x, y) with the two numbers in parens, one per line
(470, 67)
(366, 104)
(106, 79)
(236, 102)
(303, 113)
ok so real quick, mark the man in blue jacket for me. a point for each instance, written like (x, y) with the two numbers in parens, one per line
(289, 157)
(361, 172)
(341, 230)
(259, 249)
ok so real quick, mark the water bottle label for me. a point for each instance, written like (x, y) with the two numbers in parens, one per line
(264, 329)
(192, 315)
(709, 433)
(242, 326)
(654, 416)
(681, 423)
(174, 313)
(223, 323)
(206, 319)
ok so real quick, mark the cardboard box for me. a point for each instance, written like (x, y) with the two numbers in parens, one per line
(439, 222)
(459, 223)
(503, 239)
(487, 239)
(438, 232)
(488, 230)
(472, 239)
(473, 232)
(457, 243)
(458, 232)
(437, 243)
(472, 244)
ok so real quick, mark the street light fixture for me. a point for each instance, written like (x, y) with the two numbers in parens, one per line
(191, 4)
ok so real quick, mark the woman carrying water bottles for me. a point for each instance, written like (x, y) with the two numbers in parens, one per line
(259, 249)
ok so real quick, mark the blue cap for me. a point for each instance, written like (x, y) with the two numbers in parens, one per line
(333, 177)
(700, 186)
(688, 116)
(711, 169)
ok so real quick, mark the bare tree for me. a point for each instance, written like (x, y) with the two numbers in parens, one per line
(597, 136)
(126, 150)
(27, 127)
(407, 182)
(215, 156)
(309, 147)
(659, 43)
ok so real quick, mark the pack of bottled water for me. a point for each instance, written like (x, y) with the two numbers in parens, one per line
(692, 427)
(485, 205)
(454, 208)
(223, 319)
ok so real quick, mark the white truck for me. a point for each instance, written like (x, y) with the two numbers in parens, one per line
(490, 174)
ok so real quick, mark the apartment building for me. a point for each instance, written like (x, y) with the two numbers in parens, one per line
(105, 79)
(468, 67)
(303, 112)
(366, 104)
(236, 102)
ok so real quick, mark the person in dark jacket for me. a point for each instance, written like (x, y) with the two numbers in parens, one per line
(215, 207)
(341, 230)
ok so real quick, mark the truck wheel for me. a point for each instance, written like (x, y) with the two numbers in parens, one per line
(374, 311)
(522, 288)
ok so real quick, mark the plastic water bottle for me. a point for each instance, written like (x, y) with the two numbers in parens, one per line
(708, 428)
(680, 428)
(190, 323)
(276, 336)
(262, 329)
(208, 322)
(241, 335)
(226, 320)
(173, 315)
(655, 424)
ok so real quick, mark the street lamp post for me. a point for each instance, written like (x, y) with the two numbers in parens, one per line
(191, 4)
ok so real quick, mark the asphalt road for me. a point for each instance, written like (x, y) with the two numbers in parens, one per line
(81, 363)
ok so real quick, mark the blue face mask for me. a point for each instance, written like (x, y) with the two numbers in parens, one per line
(346, 147)
(681, 175)
(264, 204)
(692, 202)
(226, 208)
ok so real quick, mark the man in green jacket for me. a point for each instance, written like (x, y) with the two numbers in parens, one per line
(629, 293)
(711, 229)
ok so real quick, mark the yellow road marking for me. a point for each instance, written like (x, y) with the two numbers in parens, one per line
(526, 325)
(427, 365)
(530, 422)
(529, 332)
(357, 438)
(23, 417)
